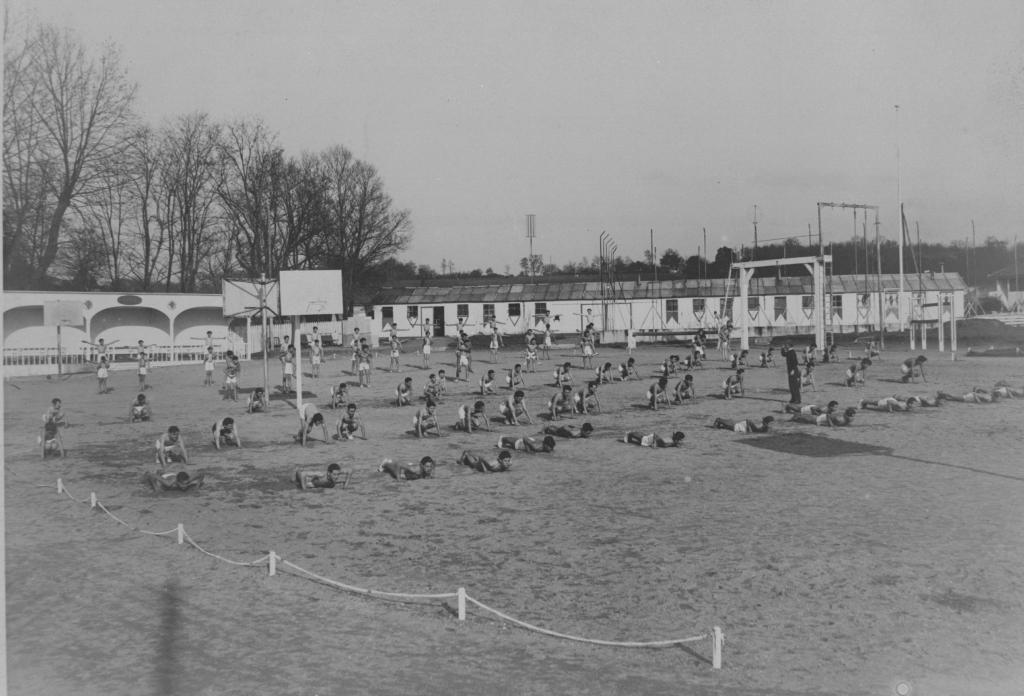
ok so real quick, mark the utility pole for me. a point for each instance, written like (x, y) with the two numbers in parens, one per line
(531, 232)
(654, 264)
(754, 255)
(899, 212)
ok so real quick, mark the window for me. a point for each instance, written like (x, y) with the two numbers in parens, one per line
(837, 305)
(753, 304)
(865, 300)
(672, 310)
(387, 316)
(540, 309)
(412, 312)
(513, 309)
(725, 308)
(698, 305)
(780, 308)
(489, 312)
(807, 302)
(462, 311)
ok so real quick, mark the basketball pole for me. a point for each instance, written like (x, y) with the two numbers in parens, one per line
(297, 342)
(60, 362)
(266, 344)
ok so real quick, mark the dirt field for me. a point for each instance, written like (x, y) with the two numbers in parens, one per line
(837, 561)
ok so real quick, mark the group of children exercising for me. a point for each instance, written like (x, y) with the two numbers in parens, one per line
(472, 416)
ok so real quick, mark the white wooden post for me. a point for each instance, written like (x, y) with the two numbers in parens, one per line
(92, 499)
(181, 533)
(716, 648)
(60, 486)
(273, 564)
(462, 603)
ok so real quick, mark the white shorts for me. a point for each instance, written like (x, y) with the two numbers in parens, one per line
(289, 369)
(231, 380)
(143, 370)
(588, 350)
(426, 349)
(464, 360)
(102, 373)
(740, 427)
(315, 359)
(364, 366)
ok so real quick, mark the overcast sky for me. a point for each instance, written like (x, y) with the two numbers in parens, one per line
(610, 116)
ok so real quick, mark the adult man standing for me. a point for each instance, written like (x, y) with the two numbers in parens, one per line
(793, 372)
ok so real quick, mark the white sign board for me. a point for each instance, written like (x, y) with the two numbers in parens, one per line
(311, 292)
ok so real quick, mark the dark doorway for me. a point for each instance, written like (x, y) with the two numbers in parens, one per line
(439, 321)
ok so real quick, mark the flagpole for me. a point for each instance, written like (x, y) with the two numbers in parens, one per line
(899, 214)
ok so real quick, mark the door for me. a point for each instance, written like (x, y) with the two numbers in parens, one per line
(438, 321)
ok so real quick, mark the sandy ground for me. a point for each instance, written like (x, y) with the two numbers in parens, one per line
(844, 561)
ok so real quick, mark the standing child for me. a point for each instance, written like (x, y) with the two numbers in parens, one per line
(364, 364)
(545, 346)
(425, 349)
(102, 372)
(355, 344)
(395, 351)
(531, 355)
(630, 341)
(208, 367)
(231, 379)
(287, 358)
(143, 370)
(495, 343)
(442, 382)
(316, 355)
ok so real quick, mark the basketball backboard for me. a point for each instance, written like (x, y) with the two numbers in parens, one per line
(242, 297)
(311, 292)
(63, 313)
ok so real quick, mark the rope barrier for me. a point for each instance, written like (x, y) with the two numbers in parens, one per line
(365, 591)
(257, 562)
(272, 559)
(621, 644)
(113, 516)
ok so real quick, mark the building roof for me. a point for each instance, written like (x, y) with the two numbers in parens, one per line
(630, 290)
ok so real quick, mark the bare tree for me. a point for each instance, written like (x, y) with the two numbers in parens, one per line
(154, 214)
(64, 111)
(362, 227)
(190, 175)
(250, 192)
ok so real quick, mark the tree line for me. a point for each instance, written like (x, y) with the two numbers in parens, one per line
(94, 198)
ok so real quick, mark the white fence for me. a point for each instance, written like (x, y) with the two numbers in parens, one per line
(20, 362)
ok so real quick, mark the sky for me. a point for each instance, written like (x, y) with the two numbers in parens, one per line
(668, 117)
